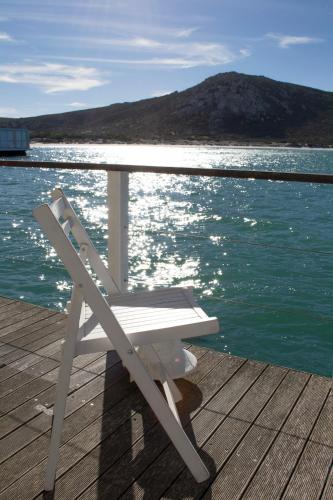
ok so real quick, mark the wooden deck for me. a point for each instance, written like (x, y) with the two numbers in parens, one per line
(265, 432)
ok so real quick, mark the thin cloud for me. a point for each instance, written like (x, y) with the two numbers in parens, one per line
(245, 52)
(172, 62)
(160, 93)
(172, 54)
(8, 112)
(100, 23)
(185, 33)
(4, 37)
(285, 41)
(52, 78)
(78, 104)
(138, 42)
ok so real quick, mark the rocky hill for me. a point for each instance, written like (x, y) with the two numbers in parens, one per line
(225, 108)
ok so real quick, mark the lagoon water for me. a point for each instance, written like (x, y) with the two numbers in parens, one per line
(259, 253)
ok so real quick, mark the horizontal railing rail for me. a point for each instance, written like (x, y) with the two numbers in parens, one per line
(320, 178)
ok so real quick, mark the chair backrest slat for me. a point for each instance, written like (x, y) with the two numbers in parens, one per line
(58, 207)
(66, 227)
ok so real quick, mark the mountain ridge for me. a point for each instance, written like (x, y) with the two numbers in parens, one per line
(225, 108)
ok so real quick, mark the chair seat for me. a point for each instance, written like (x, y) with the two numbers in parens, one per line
(148, 317)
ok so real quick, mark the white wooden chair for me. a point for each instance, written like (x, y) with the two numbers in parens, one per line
(144, 328)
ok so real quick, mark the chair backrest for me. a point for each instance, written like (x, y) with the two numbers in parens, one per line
(69, 222)
(85, 287)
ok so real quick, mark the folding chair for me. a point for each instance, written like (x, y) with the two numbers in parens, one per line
(144, 328)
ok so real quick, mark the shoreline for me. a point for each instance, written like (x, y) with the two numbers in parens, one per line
(185, 144)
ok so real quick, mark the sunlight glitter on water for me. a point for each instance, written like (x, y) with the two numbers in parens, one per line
(229, 238)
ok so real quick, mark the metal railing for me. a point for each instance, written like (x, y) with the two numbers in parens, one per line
(200, 171)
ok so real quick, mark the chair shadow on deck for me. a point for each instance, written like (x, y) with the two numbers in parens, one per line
(139, 454)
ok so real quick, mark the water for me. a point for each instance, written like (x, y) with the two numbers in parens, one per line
(258, 253)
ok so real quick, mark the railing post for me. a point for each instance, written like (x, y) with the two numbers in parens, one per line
(117, 200)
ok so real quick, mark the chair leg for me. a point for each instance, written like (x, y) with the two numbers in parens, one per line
(171, 401)
(68, 352)
(177, 395)
(58, 418)
(168, 418)
(171, 391)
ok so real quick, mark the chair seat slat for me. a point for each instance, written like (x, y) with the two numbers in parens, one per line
(152, 319)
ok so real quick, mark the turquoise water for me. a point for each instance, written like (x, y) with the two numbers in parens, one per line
(259, 253)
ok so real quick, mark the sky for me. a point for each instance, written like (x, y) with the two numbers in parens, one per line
(64, 55)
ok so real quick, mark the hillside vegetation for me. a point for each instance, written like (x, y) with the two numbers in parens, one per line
(225, 108)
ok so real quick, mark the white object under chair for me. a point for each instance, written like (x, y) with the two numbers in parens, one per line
(145, 329)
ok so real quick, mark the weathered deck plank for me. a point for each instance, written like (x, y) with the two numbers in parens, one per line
(309, 477)
(276, 468)
(323, 429)
(263, 431)
(4, 301)
(242, 464)
(328, 488)
(13, 348)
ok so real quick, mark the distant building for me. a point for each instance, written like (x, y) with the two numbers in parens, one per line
(14, 141)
